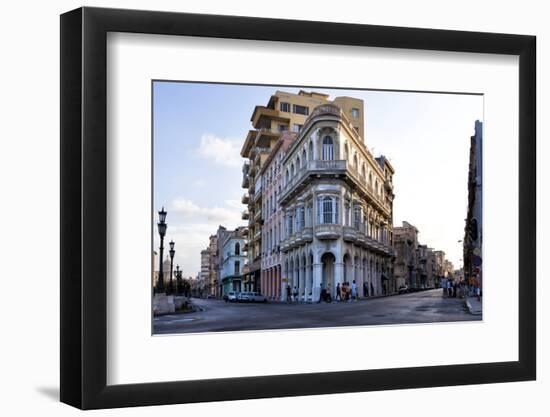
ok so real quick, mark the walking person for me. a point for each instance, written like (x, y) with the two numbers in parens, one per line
(354, 290)
(295, 294)
(338, 293)
(365, 289)
(288, 295)
(371, 290)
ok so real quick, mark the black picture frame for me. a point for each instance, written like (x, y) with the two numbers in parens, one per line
(84, 207)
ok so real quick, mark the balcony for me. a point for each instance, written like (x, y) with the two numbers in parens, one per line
(265, 136)
(245, 215)
(307, 234)
(262, 116)
(246, 182)
(350, 234)
(245, 198)
(328, 231)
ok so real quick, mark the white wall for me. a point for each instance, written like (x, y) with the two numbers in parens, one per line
(29, 162)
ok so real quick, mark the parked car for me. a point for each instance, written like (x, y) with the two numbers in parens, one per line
(403, 289)
(251, 297)
(231, 296)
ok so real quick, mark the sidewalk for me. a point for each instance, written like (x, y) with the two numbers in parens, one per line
(474, 306)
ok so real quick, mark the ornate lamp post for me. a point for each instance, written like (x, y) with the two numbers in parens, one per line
(178, 280)
(162, 232)
(172, 252)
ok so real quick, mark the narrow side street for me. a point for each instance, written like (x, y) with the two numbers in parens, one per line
(218, 316)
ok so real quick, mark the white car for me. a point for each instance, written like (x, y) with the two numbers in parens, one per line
(251, 297)
(232, 296)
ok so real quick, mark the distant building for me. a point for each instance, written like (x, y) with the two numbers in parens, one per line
(406, 265)
(232, 256)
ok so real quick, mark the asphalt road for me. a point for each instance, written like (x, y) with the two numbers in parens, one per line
(218, 316)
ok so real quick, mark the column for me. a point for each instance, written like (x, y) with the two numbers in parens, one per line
(317, 279)
(308, 280)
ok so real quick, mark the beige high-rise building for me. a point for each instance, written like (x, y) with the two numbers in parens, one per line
(284, 112)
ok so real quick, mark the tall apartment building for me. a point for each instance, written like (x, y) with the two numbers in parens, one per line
(283, 112)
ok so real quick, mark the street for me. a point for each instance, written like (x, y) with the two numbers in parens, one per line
(217, 315)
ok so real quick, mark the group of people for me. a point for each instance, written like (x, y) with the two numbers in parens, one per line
(346, 292)
(462, 288)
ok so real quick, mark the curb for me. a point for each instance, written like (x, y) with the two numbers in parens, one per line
(471, 310)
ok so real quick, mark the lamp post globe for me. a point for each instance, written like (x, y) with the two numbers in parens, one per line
(162, 226)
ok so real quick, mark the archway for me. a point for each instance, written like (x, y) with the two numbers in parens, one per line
(328, 260)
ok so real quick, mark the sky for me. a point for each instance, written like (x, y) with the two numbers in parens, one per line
(199, 129)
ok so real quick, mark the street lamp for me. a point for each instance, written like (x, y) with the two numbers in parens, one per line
(162, 226)
(178, 280)
(172, 253)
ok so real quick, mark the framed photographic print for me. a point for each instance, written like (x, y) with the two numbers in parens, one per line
(257, 208)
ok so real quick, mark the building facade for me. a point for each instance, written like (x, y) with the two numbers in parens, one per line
(337, 201)
(283, 112)
(473, 230)
(273, 219)
(232, 260)
(405, 240)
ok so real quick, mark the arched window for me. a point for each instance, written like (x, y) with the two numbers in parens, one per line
(355, 163)
(292, 170)
(237, 248)
(364, 172)
(304, 157)
(370, 179)
(287, 176)
(298, 164)
(328, 149)
(346, 152)
(357, 216)
(311, 150)
(327, 210)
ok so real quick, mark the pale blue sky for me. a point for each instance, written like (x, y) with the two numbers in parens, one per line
(199, 130)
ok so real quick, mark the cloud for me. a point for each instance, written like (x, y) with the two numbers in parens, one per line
(191, 225)
(226, 216)
(222, 151)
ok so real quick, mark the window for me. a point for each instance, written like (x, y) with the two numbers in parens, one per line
(283, 128)
(357, 217)
(296, 127)
(237, 267)
(304, 157)
(296, 108)
(346, 152)
(310, 150)
(355, 163)
(285, 107)
(237, 248)
(328, 149)
(327, 210)
(355, 113)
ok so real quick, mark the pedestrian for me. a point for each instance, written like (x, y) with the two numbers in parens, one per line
(365, 289)
(288, 297)
(295, 293)
(338, 293)
(371, 290)
(354, 290)
(449, 288)
(323, 295)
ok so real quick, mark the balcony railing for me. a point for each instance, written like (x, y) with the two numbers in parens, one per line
(333, 167)
(245, 199)
(245, 215)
